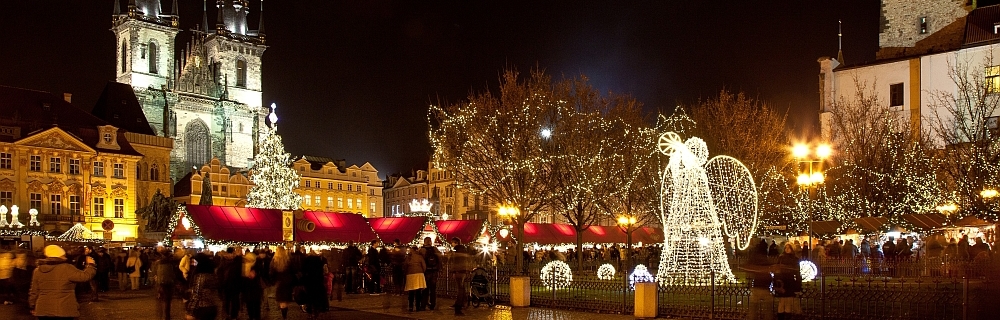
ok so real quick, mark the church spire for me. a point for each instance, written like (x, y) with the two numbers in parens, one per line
(173, 9)
(204, 15)
(840, 45)
(260, 27)
(220, 24)
(118, 8)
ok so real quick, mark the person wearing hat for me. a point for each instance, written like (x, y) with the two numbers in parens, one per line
(53, 283)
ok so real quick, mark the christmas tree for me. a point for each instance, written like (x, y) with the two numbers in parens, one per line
(273, 177)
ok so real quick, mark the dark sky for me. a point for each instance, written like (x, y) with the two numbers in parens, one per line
(353, 78)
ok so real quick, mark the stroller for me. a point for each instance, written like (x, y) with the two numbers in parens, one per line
(480, 289)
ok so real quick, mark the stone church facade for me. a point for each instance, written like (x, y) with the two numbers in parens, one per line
(210, 99)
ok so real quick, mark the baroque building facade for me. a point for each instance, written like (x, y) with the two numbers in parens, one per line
(75, 167)
(439, 188)
(209, 101)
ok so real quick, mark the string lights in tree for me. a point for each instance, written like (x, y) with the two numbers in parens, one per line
(556, 275)
(696, 210)
(606, 272)
(273, 178)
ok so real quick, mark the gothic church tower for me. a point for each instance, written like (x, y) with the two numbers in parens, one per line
(210, 100)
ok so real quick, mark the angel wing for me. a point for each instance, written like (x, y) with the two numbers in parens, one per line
(735, 196)
(667, 145)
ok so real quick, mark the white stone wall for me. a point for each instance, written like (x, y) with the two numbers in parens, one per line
(137, 35)
(901, 19)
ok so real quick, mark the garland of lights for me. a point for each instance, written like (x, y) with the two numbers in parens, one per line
(693, 244)
(274, 180)
(556, 275)
(606, 272)
(76, 233)
(639, 275)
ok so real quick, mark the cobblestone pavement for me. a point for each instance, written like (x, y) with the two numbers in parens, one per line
(141, 304)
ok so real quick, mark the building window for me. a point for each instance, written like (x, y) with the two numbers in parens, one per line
(340, 186)
(74, 166)
(99, 168)
(153, 61)
(372, 209)
(329, 185)
(36, 163)
(124, 57)
(329, 202)
(6, 199)
(241, 73)
(317, 201)
(197, 144)
(35, 201)
(350, 205)
(465, 201)
(5, 161)
(98, 207)
(119, 208)
(119, 170)
(55, 164)
(350, 187)
(896, 95)
(224, 189)
(154, 173)
(74, 205)
(308, 184)
(340, 202)
(923, 25)
(307, 200)
(358, 202)
(55, 204)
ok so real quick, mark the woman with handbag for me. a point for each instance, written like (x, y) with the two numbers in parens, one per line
(132, 266)
(415, 282)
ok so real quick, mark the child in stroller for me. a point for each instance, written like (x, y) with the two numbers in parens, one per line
(480, 284)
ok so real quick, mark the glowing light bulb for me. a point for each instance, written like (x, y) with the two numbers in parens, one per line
(823, 151)
(800, 151)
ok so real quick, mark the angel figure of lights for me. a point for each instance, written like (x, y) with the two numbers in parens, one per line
(13, 217)
(34, 218)
(700, 201)
(3, 216)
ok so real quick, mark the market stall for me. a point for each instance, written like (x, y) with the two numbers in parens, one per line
(409, 230)
(549, 234)
(469, 231)
(333, 228)
(197, 226)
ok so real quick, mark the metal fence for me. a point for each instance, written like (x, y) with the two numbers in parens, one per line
(845, 290)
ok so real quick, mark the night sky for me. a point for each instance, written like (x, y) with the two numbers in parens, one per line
(353, 79)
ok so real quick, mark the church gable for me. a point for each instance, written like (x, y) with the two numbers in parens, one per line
(401, 182)
(55, 138)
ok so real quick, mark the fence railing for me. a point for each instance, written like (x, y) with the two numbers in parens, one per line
(844, 290)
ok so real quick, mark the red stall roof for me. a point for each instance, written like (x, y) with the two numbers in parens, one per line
(218, 223)
(336, 227)
(466, 230)
(547, 233)
(403, 228)
(605, 234)
(647, 235)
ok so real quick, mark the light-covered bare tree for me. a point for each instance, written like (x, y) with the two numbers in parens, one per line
(964, 123)
(498, 144)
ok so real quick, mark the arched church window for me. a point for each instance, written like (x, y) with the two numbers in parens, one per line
(153, 57)
(241, 73)
(124, 56)
(197, 143)
(154, 173)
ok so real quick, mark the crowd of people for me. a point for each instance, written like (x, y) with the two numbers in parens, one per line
(233, 281)
(902, 249)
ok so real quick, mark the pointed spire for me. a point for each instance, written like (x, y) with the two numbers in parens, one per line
(220, 23)
(840, 45)
(118, 8)
(173, 9)
(204, 15)
(260, 28)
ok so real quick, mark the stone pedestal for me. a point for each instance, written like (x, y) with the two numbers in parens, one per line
(645, 300)
(520, 291)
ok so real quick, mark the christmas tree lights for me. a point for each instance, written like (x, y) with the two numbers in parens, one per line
(274, 180)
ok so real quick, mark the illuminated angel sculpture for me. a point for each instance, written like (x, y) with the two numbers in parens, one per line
(700, 200)
(3, 216)
(13, 217)
(34, 218)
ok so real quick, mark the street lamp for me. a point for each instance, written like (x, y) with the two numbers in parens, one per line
(628, 224)
(810, 165)
(508, 213)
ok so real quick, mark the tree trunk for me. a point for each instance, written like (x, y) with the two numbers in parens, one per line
(579, 250)
(519, 248)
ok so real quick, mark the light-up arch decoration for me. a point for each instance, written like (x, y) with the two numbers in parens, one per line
(700, 201)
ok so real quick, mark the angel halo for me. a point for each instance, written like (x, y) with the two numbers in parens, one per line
(701, 200)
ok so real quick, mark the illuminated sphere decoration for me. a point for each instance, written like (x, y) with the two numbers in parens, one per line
(606, 272)
(808, 270)
(556, 275)
(640, 274)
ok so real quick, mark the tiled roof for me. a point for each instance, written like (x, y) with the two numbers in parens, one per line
(119, 107)
(980, 24)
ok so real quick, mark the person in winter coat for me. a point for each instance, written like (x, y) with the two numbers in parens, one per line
(167, 276)
(313, 273)
(104, 267)
(121, 270)
(415, 267)
(204, 302)
(352, 255)
(135, 264)
(787, 283)
(460, 265)
(6, 277)
(53, 284)
(284, 277)
(253, 288)
(432, 258)
(373, 266)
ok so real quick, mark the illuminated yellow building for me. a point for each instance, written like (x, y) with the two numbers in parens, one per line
(228, 188)
(439, 187)
(329, 185)
(74, 166)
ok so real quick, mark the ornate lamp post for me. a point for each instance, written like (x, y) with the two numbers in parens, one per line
(628, 225)
(810, 166)
(508, 215)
